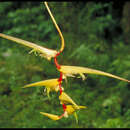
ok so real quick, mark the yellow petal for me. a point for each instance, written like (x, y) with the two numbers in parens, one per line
(82, 76)
(71, 70)
(64, 98)
(45, 52)
(48, 91)
(51, 116)
(82, 107)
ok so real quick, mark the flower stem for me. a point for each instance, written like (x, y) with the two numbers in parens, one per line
(56, 63)
(64, 107)
(60, 80)
(57, 27)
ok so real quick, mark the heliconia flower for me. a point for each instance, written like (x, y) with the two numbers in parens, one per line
(44, 52)
(70, 109)
(73, 70)
(51, 116)
(50, 84)
(65, 99)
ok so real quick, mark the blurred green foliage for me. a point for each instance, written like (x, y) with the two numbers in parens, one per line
(91, 40)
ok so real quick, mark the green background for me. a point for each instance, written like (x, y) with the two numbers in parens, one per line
(96, 36)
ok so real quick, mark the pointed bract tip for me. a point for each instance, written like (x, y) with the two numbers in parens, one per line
(51, 116)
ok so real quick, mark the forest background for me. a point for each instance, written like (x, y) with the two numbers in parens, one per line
(97, 35)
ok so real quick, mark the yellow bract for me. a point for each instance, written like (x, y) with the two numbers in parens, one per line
(71, 109)
(64, 99)
(50, 84)
(51, 116)
(72, 70)
(44, 52)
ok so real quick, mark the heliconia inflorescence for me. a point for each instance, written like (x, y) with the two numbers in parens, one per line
(69, 106)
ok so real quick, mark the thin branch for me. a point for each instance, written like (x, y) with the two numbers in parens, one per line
(57, 27)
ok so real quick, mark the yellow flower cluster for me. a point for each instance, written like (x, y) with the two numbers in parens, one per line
(69, 106)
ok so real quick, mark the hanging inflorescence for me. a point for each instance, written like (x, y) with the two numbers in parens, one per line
(69, 106)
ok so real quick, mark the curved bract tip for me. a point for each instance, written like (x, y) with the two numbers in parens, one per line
(51, 116)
